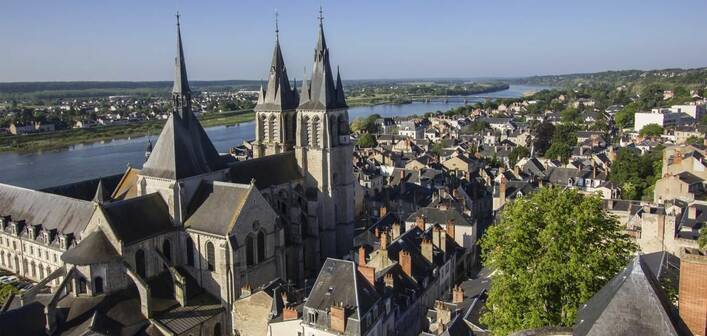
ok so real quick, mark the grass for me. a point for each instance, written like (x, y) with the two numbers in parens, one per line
(65, 138)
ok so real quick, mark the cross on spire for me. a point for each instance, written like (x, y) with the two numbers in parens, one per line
(178, 15)
(277, 26)
(321, 16)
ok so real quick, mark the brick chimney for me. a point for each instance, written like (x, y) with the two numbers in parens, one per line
(377, 232)
(420, 222)
(382, 211)
(368, 272)
(427, 249)
(388, 279)
(457, 295)
(337, 317)
(692, 212)
(451, 228)
(692, 304)
(405, 261)
(361, 255)
(395, 231)
(289, 313)
(439, 238)
(444, 314)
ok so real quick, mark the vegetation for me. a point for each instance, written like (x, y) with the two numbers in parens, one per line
(550, 253)
(702, 240)
(367, 140)
(651, 130)
(563, 141)
(365, 125)
(517, 154)
(636, 174)
(5, 291)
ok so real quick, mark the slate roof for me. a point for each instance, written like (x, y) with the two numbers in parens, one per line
(632, 303)
(216, 205)
(321, 93)
(278, 95)
(340, 282)
(267, 171)
(94, 249)
(138, 218)
(689, 178)
(53, 212)
(439, 216)
(84, 190)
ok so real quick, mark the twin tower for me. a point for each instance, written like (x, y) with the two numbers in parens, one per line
(314, 123)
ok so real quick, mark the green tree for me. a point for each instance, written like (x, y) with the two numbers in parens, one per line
(543, 136)
(437, 149)
(517, 153)
(651, 130)
(624, 118)
(693, 140)
(702, 239)
(551, 252)
(367, 140)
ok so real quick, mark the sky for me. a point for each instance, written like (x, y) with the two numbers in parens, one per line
(134, 40)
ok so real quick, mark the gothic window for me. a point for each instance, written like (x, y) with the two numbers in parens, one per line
(97, 285)
(261, 127)
(217, 329)
(49, 271)
(2, 257)
(271, 129)
(315, 132)
(249, 249)
(333, 131)
(41, 272)
(140, 263)
(261, 246)
(167, 250)
(25, 267)
(307, 134)
(210, 256)
(190, 251)
(82, 286)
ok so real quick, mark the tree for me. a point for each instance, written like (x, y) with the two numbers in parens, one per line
(693, 140)
(702, 239)
(651, 130)
(437, 149)
(543, 135)
(624, 118)
(366, 140)
(560, 151)
(636, 173)
(551, 252)
(517, 153)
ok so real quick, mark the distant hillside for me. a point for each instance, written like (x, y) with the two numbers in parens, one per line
(685, 77)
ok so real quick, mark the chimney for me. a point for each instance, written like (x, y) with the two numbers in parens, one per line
(245, 290)
(426, 247)
(337, 317)
(594, 170)
(376, 232)
(692, 304)
(382, 211)
(439, 238)
(457, 295)
(384, 243)
(420, 222)
(289, 313)
(502, 189)
(361, 255)
(388, 279)
(444, 314)
(405, 262)
(451, 228)
(678, 156)
(395, 231)
(692, 212)
(368, 272)
(456, 193)
(516, 171)
(284, 298)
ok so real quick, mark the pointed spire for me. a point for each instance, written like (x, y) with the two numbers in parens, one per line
(304, 92)
(181, 83)
(278, 95)
(100, 196)
(277, 27)
(340, 97)
(321, 43)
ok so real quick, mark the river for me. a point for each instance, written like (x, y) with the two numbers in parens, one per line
(86, 161)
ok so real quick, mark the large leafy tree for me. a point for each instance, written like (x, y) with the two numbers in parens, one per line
(651, 130)
(550, 253)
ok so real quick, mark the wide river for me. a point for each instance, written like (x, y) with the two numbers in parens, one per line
(86, 161)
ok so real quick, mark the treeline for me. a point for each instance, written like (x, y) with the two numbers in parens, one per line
(637, 78)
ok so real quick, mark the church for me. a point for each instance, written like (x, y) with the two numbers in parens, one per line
(172, 247)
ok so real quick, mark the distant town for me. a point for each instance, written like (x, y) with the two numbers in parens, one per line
(576, 209)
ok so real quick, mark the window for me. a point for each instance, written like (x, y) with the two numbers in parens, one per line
(249, 249)
(98, 285)
(217, 329)
(190, 251)
(167, 250)
(312, 317)
(82, 285)
(210, 256)
(140, 263)
(261, 246)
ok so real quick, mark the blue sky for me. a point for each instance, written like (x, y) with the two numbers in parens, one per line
(134, 39)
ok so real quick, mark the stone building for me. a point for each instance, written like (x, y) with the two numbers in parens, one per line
(176, 242)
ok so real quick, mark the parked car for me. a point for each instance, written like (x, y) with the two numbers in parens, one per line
(8, 279)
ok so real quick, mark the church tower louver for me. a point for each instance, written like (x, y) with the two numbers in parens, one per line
(275, 111)
(324, 151)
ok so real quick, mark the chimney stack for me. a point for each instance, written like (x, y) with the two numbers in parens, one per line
(245, 290)
(457, 295)
(420, 222)
(289, 313)
(395, 231)
(405, 262)
(692, 304)
(388, 279)
(337, 317)
(369, 273)
(451, 228)
(678, 156)
(382, 211)
(361, 255)
(426, 247)
(439, 238)
(692, 212)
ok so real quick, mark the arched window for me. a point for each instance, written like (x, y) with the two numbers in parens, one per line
(306, 136)
(2, 257)
(167, 250)
(249, 249)
(190, 251)
(82, 286)
(261, 127)
(49, 271)
(217, 329)
(25, 267)
(97, 285)
(210, 256)
(271, 129)
(261, 246)
(140, 263)
(315, 132)
(41, 272)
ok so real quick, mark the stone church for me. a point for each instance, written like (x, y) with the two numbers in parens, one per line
(169, 250)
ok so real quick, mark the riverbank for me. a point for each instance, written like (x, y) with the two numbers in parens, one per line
(66, 138)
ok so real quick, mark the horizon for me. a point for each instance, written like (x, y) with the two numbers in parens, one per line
(222, 41)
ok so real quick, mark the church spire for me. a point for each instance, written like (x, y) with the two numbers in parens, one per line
(181, 84)
(322, 93)
(278, 94)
